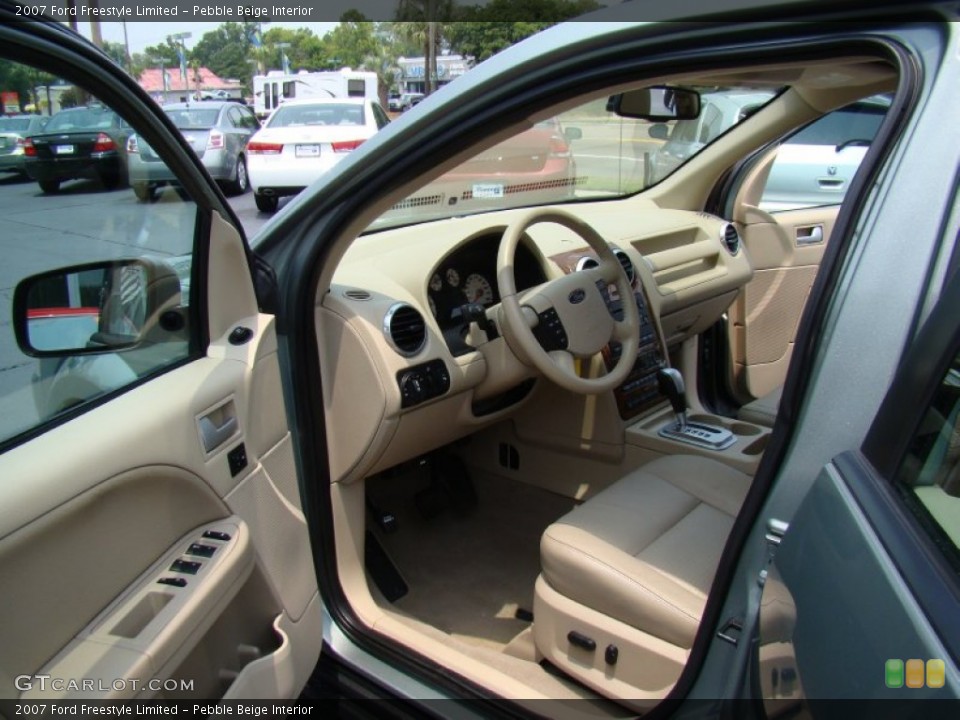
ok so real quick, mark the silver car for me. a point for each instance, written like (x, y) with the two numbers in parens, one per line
(218, 132)
(13, 130)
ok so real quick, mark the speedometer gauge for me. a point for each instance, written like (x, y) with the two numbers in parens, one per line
(477, 289)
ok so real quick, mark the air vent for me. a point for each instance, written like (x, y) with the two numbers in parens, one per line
(405, 329)
(730, 239)
(356, 294)
(586, 262)
(627, 264)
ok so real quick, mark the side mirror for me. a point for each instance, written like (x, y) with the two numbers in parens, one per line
(659, 132)
(96, 308)
(572, 133)
(656, 104)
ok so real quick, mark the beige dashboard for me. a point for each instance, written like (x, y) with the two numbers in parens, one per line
(388, 402)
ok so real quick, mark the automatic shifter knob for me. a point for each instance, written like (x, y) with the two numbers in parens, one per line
(670, 382)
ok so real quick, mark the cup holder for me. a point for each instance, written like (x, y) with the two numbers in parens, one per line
(744, 429)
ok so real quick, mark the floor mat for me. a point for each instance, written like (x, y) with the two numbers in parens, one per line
(467, 576)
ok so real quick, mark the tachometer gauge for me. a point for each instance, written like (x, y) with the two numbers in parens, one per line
(436, 282)
(477, 289)
(453, 277)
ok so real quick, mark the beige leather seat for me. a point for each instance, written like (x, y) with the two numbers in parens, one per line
(631, 568)
(762, 411)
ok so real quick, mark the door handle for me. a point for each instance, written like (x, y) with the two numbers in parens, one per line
(214, 435)
(810, 235)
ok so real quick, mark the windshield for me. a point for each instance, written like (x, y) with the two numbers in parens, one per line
(14, 124)
(582, 154)
(325, 114)
(193, 118)
(92, 118)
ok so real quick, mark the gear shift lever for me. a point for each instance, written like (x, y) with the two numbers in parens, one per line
(670, 382)
(712, 437)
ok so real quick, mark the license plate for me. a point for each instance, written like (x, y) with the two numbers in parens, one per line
(64, 149)
(307, 151)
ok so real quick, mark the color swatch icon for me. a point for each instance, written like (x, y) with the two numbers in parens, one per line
(914, 673)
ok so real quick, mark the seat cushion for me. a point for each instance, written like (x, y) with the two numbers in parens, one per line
(762, 411)
(645, 550)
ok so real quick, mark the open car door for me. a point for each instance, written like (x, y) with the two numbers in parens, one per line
(152, 543)
(861, 599)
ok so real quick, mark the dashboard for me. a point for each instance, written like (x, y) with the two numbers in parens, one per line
(469, 275)
(393, 327)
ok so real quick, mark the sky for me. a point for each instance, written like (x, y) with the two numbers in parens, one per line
(144, 34)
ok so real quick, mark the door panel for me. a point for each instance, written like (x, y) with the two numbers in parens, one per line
(786, 249)
(98, 508)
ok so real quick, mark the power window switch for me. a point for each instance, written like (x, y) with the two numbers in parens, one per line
(188, 567)
(175, 581)
(216, 535)
(201, 550)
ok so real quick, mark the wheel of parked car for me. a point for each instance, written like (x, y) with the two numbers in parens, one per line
(567, 318)
(241, 182)
(144, 192)
(49, 186)
(266, 203)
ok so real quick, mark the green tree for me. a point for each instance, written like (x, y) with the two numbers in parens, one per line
(348, 44)
(226, 51)
(306, 51)
(425, 23)
(484, 30)
(117, 52)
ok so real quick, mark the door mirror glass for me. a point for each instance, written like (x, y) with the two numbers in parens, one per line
(96, 308)
(657, 104)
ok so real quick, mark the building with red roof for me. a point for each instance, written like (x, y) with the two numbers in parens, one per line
(198, 83)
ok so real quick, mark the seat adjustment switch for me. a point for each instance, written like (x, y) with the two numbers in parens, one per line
(581, 641)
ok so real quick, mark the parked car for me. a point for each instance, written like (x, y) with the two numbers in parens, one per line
(218, 131)
(303, 139)
(394, 102)
(720, 111)
(816, 165)
(408, 100)
(83, 142)
(639, 449)
(14, 129)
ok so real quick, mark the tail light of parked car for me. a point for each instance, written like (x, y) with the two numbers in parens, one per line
(559, 147)
(346, 145)
(264, 148)
(29, 149)
(104, 143)
(216, 141)
(133, 145)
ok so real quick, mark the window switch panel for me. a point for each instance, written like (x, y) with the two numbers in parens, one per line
(201, 550)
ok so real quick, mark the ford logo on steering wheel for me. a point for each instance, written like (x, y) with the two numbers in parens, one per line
(577, 296)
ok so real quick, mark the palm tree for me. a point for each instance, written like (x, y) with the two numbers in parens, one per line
(418, 23)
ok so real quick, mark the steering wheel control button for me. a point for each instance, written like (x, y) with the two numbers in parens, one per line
(187, 567)
(175, 581)
(423, 382)
(216, 535)
(201, 550)
(549, 331)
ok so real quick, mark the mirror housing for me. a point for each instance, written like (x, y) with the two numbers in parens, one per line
(96, 308)
(656, 104)
(660, 131)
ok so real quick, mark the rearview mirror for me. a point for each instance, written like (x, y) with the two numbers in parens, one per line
(95, 308)
(656, 104)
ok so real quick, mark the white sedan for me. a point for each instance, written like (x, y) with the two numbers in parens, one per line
(305, 138)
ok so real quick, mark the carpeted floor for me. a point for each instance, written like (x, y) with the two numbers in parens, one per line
(468, 575)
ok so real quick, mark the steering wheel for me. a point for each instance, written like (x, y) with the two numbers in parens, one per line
(567, 317)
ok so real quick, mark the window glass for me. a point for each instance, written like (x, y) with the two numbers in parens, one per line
(75, 195)
(930, 472)
(816, 165)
